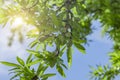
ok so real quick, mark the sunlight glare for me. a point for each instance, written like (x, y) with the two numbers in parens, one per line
(18, 21)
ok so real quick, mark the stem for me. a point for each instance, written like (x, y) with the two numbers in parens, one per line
(68, 12)
(69, 16)
(35, 78)
(60, 7)
(34, 4)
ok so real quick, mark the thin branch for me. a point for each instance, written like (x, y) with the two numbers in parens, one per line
(45, 37)
(68, 17)
(34, 4)
(35, 78)
(60, 7)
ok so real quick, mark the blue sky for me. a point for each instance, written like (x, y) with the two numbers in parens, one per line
(97, 53)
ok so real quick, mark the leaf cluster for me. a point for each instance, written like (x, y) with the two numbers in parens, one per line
(62, 25)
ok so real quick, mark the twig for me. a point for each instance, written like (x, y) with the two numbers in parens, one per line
(60, 7)
(34, 4)
(35, 78)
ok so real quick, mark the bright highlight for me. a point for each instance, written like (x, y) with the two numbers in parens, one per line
(18, 21)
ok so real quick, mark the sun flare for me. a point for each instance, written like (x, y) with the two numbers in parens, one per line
(18, 21)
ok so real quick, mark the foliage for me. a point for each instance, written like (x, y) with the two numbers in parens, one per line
(25, 71)
(62, 25)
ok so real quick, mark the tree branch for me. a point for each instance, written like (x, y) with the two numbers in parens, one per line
(60, 7)
(34, 4)
(35, 78)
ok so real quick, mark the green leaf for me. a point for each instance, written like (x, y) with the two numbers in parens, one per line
(22, 78)
(62, 51)
(41, 69)
(78, 9)
(29, 59)
(64, 66)
(34, 62)
(38, 47)
(47, 75)
(16, 75)
(27, 70)
(60, 70)
(32, 52)
(36, 53)
(84, 6)
(100, 69)
(44, 79)
(52, 61)
(9, 64)
(20, 61)
(78, 41)
(69, 56)
(80, 48)
(55, 19)
(32, 44)
(13, 69)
